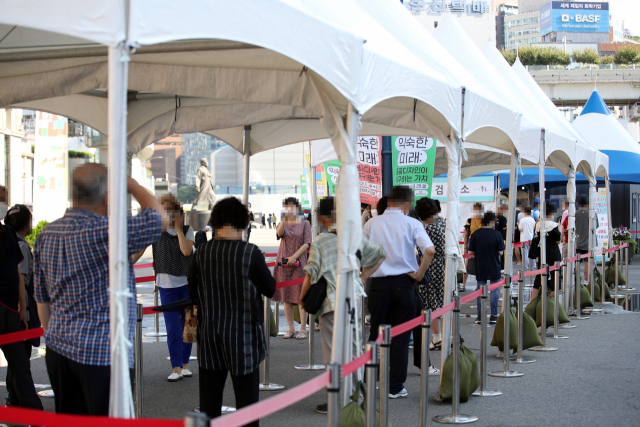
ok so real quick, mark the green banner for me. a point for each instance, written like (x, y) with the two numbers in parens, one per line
(305, 199)
(412, 163)
(332, 169)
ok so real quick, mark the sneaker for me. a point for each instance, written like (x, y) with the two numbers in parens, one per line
(478, 320)
(401, 393)
(175, 377)
(186, 372)
(433, 371)
(493, 319)
(367, 320)
(321, 409)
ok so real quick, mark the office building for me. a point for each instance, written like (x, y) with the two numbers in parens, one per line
(522, 29)
(578, 22)
(195, 146)
(504, 10)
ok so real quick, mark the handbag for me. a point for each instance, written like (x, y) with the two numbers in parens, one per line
(315, 296)
(471, 266)
(534, 247)
(189, 334)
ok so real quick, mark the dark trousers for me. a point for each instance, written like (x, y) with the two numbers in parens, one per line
(19, 380)
(12, 398)
(392, 301)
(79, 389)
(245, 388)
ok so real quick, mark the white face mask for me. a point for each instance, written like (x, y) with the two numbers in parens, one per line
(3, 210)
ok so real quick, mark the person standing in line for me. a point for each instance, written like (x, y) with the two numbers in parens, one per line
(295, 238)
(323, 259)
(71, 281)
(516, 234)
(264, 219)
(251, 219)
(201, 237)
(487, 246)
(564, 230)
(526, 225)
(501, 227)
(474, 223)
(553, 254)
(19, 219)
(13, 313)
(393, 296)
(582, 234)
(229, 277)
(269, 219)
(172, 255)
(432, 293)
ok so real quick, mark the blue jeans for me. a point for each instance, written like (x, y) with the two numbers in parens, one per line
(179, 351)
(527, 264)
(493, 297)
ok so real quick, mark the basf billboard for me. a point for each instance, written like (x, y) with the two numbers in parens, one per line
(577, 17)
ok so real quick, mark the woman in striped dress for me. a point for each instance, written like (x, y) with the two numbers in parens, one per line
(229, 278)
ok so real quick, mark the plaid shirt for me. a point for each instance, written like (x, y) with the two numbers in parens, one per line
(323, 262)
(71, 272)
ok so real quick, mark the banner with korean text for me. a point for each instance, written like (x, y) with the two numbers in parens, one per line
(369, 169)
(474, 189)
(413, 159)
(602, 232)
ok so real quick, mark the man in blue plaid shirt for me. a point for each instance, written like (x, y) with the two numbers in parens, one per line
(71, 278)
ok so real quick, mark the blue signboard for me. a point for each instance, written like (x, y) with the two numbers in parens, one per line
(577, 17)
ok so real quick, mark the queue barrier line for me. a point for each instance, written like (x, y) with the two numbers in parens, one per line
(21, 336)
(139, 266)
(273, 404)
(23, 416)
(356, 363)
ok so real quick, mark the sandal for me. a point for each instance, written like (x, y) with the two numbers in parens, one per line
(302, 334)
(289, 334)
(435, 346)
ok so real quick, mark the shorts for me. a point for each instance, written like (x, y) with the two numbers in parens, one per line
(582, 252)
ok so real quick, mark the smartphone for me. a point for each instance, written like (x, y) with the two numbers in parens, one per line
(284, 262)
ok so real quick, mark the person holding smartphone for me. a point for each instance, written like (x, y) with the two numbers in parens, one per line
(295, 238)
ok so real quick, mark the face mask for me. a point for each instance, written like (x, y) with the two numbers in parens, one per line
(3, 210)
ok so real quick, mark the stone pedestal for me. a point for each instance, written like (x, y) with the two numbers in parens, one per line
(197, 219)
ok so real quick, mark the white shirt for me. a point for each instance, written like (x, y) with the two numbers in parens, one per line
(164, 280)
(399, 235)
(526, 225)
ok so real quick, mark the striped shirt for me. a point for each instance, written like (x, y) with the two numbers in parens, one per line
(229, 278)
(71, 273)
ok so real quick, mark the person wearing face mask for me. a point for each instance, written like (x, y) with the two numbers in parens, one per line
(13, 314)
(172, 255)
(393, 298)
(295, 238)
(553, 255)
(474, 223)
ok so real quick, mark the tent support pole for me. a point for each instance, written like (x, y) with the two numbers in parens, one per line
(344, 280)
(571, 225)
(610, 234)
(511, 215)
(387, 172)
(120, 395)
(245, 177)
(313, 188)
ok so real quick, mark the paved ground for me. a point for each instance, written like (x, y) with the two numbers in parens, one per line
(592, 380)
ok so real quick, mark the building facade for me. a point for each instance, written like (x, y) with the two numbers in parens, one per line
(195, 146)
(522, 29)
(503, 10)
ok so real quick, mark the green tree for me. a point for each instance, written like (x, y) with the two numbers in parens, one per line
(31, 237)
(586, 56)
(529, 55)
(186, 194)
(509, 55)
(628, 55)
(608, 59)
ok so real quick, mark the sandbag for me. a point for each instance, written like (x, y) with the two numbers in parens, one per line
(498, 332)
(469, 376)
(530, 338)
(535, 307)
(610, 274)
(354, 415)
(585, 297)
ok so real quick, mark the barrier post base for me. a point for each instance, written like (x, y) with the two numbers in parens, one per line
(224, 409)
(543, 348)
(523, 359)
(190, 358)
(566, 326)
(310, 368)
(455, 419)
(155, 334)
(507, 374)
(486, 393)
(270, 387)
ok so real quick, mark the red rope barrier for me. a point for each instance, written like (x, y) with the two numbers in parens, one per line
(289, 283)
(21, 336)
(534, 272)
(468, 256)
(271, 264)
(473, 295)
(139, 266)
(273, 404)
(352, 366)
(406, 326)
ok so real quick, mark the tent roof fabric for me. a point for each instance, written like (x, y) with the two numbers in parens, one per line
(595, 104)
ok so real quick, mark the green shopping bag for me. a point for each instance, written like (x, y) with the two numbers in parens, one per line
(498, 331)
(354, 415)
(469, 376)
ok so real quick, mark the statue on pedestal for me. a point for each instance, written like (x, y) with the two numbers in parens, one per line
(204, 186)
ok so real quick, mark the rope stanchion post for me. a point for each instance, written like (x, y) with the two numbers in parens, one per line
(266, 385)
(333, 395)
(455, 417)
(616, 265)
(311, 366)
(196, 419)
(276, 314)
(592, 283)
(556, 310)
(519, 358)
(567, 300)
(543, 301)
(483, 347)
(156, 317)
(603, 281)
(385, 361)
(363, 316)
(506, 302)
(578, 311)
(371, 372)
(424, 367)
(138, 362)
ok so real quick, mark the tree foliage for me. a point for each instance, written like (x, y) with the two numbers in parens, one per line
(628, 55)
(31, 237)
(509, 55)
(608, 59)
(539, 56)
(186, 194)
(586, 56)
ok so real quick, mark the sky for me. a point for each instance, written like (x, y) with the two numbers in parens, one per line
(629, 11)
